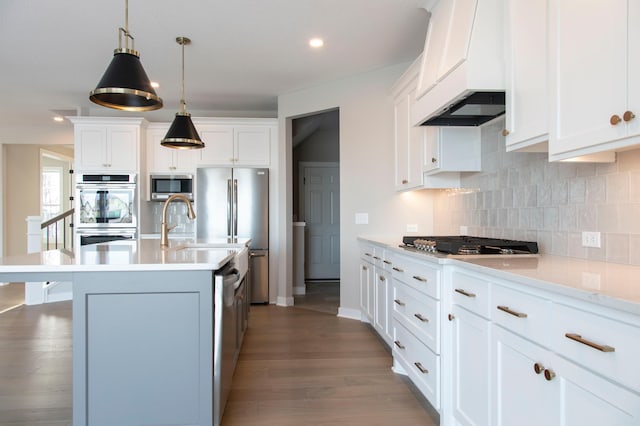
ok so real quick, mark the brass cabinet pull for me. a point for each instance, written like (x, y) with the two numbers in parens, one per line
(505, 132)
(388, 262)
(421, 318)
(368, 254)
(376, 257)
(512, 312)
(399, 302)
(404, 181)
(549, 374)
(628, 116)
(451, 317)
(615, 119)
(398, 344)
(395, 268)
(464, 292)
(538, 368)
(580, 339)
(419, 278)
(421, 368)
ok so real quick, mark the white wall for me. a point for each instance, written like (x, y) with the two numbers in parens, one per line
(366, 174)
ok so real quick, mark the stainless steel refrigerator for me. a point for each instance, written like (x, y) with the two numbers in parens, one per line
(234, 203)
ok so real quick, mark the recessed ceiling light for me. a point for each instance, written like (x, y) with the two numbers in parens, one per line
(58, 119)
(155, 85)
(316, 42)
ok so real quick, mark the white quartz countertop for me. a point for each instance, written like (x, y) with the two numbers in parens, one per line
(609, 284)
(128, 255)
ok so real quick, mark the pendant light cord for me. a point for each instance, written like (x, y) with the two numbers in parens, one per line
(183, 106)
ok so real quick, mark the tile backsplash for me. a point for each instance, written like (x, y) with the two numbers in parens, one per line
(525, 197)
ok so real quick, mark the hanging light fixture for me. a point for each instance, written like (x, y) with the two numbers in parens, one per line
(182, 134)
(125, 85)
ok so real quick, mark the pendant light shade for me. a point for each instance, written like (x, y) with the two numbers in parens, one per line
(182, 134)
(125, 84)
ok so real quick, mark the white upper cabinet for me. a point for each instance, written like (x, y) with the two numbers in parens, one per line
(448, 151)
(526, 126)
(161, 159)
(109, 145)
(240, 143)
(409, 140)
(594, 66)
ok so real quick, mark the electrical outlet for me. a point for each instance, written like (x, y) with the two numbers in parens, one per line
(412, 227)
(591, 239)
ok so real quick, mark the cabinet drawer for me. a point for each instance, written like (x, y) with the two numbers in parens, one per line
(422, 277)
(598, 343)
(522, 313)
(470, 292)
(422, 365)
(366, 253)
(419, 313)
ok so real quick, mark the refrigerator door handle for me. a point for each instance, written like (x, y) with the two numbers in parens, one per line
(257, 254)
(229, 201)
(235, 208)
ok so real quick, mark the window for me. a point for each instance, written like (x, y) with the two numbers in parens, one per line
(51, 192)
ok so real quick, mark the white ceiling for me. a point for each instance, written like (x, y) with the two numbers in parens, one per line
(244, 53)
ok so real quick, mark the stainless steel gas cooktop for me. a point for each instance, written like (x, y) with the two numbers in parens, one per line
(462, 245)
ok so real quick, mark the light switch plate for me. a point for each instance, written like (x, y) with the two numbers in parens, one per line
(412, 227)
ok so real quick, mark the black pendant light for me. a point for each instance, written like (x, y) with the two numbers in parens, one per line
(125, 85)
(182, 134)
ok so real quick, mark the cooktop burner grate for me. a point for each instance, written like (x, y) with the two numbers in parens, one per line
(470, 245)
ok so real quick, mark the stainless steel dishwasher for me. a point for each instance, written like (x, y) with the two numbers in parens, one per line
(228, 330)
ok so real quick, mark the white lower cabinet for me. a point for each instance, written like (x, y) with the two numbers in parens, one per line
(470, 359)
(534, 386)
(382, 318)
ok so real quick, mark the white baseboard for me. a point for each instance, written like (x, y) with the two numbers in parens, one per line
(284, 301)
(354, 314)
(299, 291)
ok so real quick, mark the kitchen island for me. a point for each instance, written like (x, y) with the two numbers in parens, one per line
(149, 340)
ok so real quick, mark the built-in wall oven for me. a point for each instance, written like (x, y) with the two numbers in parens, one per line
(106, 208)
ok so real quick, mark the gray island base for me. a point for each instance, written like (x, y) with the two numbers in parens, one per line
(143, 348)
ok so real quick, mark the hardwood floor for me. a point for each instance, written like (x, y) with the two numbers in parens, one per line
(35, 365)
(321, 296)
(11, 295)
(297, 366)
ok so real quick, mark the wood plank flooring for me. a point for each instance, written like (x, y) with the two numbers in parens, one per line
(11, 295)
(297, 367)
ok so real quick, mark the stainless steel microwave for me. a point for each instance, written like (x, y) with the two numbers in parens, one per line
(163, 186)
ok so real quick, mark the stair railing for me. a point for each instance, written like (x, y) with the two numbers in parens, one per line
(51, 229)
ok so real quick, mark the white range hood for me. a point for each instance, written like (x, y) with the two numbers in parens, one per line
(462, 59)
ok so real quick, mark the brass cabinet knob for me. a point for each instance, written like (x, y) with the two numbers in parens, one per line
(549, 374)
(538, 368)
(404, 181)
(628, 116)
(505, 132)
(451, 317)
(615, 119)
(434, 160)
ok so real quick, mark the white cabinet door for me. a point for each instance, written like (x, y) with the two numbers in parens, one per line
(526, 74)
(471, 364)
(452, 149)
(218, 148)
(458, 36)
(252, 146)
(91, 148)
(588, 79)
(521, 396)
(366, 273)
(122, 148)
(401, 122)
(383, 300)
